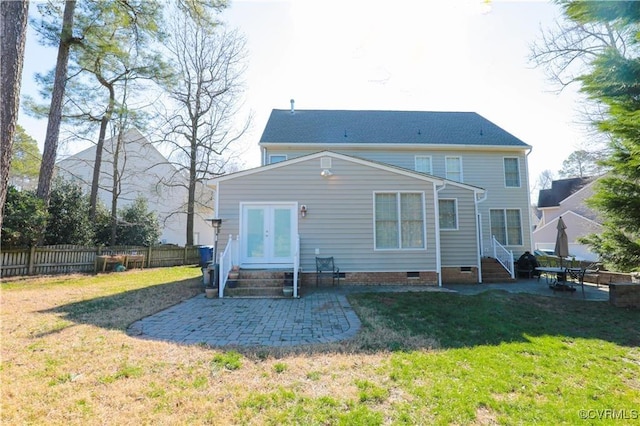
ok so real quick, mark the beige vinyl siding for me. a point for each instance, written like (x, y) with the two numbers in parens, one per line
(459, 247)
(339, 220)
(481, 167)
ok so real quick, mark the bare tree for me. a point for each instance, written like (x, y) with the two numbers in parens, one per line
(208, 62)
(565, 52)
(13, 33)
(545, 179)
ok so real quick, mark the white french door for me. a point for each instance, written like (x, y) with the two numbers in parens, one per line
(268, 234)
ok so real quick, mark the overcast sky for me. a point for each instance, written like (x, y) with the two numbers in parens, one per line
(455, 55)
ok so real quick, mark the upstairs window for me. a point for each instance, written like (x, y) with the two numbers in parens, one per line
(511, 173)
(423, 164)
(277, 158)
(453, 167)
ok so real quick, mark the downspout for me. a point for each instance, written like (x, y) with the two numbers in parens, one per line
(478, 229)
(526, 168)
(437, 226)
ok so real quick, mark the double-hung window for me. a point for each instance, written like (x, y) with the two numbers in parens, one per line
(399, 220)
(423, 164)
(277, 158)
(448, 214)
(453, 167)
(511, 173)
(506, 226)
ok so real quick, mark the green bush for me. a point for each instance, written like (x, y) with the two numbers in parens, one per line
(69, 221)
(24, 219)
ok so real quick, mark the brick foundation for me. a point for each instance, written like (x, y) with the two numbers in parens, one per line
(457, 275)
(624, 295)
(375, 278)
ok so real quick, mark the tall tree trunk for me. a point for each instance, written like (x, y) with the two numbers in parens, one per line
(57, 97)
(191, 197)
(116, 186)
(13, 34)
(104, 122)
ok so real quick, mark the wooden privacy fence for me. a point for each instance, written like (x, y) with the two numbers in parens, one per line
(64, 259)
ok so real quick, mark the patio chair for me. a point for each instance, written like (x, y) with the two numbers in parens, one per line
(325, 266)
(577, 274)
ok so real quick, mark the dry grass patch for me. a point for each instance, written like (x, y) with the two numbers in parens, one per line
(69, 360)
(420, 359)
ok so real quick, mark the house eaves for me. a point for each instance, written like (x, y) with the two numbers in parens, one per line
(381, 166)
(399, 147)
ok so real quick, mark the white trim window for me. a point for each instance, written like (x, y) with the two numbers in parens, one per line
(448, 214)
(276, 158)
(399, 220)
(423, 164)
(511, 172)
(506, 226)
(453, 167)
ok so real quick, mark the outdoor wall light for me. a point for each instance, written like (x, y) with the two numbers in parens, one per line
(326, 173)
(303, 210)
(216, 224)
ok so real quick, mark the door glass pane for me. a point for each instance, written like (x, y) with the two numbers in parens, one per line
(282, 232)
(255, 233)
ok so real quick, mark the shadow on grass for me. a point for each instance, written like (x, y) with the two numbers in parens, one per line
(399, 320)
(494, 317)
(119, 310)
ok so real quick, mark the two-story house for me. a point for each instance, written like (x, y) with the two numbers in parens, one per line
(396, 197)
(143, 171)
(567, 198)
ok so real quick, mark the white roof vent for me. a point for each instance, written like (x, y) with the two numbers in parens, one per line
(293, 109)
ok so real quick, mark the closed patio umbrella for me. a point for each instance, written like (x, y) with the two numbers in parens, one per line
(562, 241)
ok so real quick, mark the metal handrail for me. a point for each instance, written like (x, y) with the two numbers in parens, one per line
(503, 256)
(226, 263)
(296, 267)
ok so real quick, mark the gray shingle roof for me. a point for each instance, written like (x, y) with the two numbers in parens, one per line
(401, 127)
(560, 190)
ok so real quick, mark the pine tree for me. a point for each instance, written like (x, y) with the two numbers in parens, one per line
(614, 81)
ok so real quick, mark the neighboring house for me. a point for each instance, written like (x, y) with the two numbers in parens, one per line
(394, 196)
(566, 198)
(144, 172)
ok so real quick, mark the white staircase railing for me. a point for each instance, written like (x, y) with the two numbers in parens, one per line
(228, 258)
(296, 267)
(503, 256)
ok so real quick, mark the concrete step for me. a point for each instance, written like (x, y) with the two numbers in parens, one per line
(260, 283)
(494, 272)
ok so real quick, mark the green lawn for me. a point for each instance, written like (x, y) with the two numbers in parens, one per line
(420, 358)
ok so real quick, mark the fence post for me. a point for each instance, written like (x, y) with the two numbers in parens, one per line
(32, 259)
(184, 256)
(149, 257)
